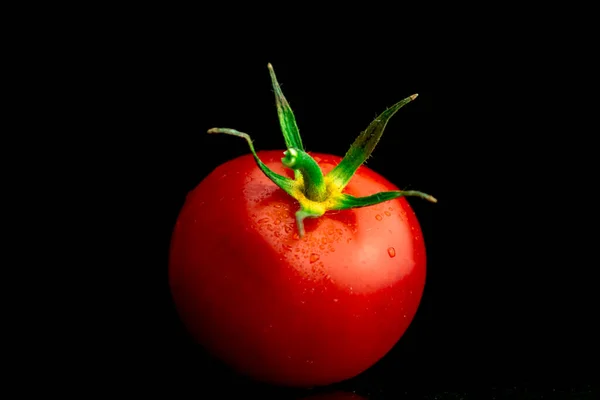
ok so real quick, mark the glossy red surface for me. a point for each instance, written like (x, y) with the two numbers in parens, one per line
(290, 311)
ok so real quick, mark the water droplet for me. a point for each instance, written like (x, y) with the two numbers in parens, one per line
(277, 206)
(348, 240)
(335, 300)
(390, 208)
(388, 213)
(296, 236)
(322, 247)
(270, 227)
(263, 220)
(324, 240)
(288, 228)
(317, 158)
(314, 258)
(277, 221)
(392, 252)
(378, 217)
(286, 247)
(277, 234)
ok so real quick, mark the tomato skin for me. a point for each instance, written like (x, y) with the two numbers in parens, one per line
(290, 311)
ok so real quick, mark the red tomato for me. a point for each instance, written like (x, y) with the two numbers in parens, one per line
(288, 310)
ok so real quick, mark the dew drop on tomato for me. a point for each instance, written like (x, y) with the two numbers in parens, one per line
(391, 252)
(314, 258)
(378, 217)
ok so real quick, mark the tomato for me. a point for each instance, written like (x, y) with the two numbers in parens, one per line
(290, 305)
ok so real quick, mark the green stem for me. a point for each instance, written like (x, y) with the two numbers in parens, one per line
(316, 193)
(315, 188)
(283, 182)
(346, 201)
(286, 116)
(364, 145)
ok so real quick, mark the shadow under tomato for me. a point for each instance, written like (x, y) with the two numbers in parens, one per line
(335, 395)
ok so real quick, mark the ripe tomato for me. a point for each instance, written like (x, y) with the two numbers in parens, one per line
(291, 311)
(291, 302)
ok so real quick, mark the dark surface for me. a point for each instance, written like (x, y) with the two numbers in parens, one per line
(506, 311)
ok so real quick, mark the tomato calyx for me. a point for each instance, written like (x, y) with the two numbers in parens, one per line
(315, 192)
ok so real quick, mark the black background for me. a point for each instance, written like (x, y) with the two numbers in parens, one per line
(507, 307)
